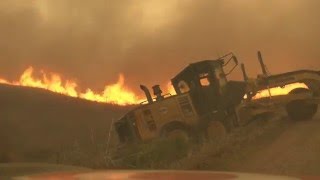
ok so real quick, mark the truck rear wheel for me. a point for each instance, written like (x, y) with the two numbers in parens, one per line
(299, 109)
(216, 131)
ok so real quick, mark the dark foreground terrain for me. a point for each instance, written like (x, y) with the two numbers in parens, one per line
(39, 126)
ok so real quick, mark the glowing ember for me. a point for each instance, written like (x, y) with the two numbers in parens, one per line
(115, 94)
(279, 90)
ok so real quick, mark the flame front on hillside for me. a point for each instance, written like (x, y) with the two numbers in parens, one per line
(116, 93)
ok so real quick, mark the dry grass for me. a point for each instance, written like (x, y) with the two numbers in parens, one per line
(234, 149)
(175, 154)
(155, 155)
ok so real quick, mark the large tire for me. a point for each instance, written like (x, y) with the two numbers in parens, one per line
(299, 109)
(177, 134)
(216, 131)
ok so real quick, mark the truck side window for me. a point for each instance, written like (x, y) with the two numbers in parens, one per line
(149, 120)
(183, 87)
(204, 81)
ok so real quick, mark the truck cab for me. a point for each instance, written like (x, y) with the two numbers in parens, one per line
(206, 82)
(203, 93)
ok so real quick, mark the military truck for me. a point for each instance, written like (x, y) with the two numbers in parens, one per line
(207, 104)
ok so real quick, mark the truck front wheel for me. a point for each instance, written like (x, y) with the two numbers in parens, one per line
(177, 134)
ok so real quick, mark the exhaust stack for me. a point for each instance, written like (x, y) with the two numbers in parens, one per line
(157, 92)
(147, 93)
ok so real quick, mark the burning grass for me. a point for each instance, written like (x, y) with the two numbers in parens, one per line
(116, 93)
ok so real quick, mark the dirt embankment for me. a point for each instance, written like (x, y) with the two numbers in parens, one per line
(295, 151)
(274, 146)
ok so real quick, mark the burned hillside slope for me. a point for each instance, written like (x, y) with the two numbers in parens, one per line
(35, 124)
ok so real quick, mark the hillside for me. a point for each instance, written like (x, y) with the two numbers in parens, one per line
(271, 146)
(40, 126)
(36, 124)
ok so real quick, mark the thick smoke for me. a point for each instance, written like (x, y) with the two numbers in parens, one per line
(151, 40)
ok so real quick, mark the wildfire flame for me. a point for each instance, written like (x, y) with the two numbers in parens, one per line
(116, 93)
(276, 91)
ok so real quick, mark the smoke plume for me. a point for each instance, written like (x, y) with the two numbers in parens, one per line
(149, 41)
